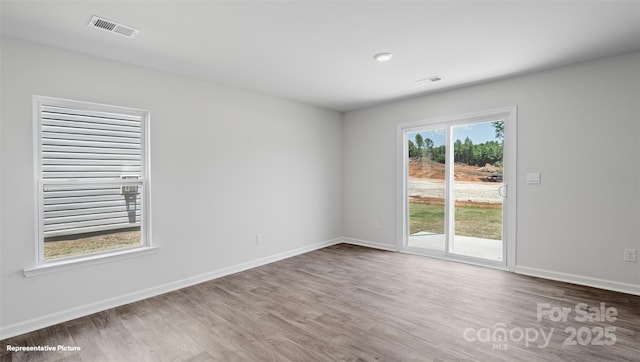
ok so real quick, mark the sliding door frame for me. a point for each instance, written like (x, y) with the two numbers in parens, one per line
(509, 115)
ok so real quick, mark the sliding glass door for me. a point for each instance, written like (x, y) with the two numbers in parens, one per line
(454, 189)
(476, 205)
(426, 170)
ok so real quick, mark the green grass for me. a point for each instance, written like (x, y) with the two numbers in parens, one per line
(92, 244)
(426, 217)
(480, 222)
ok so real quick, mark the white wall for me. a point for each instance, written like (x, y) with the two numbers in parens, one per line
(577, 125)
(225, 164)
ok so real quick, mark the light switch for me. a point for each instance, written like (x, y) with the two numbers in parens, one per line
(533, 178)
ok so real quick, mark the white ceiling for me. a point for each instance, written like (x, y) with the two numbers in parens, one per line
(321, 52)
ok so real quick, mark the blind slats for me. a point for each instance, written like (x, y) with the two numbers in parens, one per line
(65, 221)
(89, 126)
(88, 156)
(123, 136)
(88, 112)
(84, 175)
(75, 225)
(71, 211)
(52, 207)
(129, 170)
(84, 144)
(90, 229)
(88, 211)
(70, 191)
(94, 144)
(89, 162)
(88, 137)
(94, 150)
(77, 201)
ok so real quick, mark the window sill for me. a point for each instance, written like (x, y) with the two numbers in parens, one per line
(56, 266)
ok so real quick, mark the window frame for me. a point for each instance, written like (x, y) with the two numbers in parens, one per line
(40, 183)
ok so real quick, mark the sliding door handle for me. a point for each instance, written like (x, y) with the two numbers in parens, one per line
(503, 190)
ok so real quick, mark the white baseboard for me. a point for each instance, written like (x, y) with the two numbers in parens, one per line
(81, 311)
(580, 280)
(369, 244)
(628, 288)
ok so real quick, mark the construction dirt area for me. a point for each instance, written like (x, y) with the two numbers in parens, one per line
(472, 184)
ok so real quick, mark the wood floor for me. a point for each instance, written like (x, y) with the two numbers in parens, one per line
(351, 303)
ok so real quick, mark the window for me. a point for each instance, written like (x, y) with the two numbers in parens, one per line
(92, 178)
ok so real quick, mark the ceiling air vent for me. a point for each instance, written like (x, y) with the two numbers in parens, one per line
(113, 27)
(435, 78)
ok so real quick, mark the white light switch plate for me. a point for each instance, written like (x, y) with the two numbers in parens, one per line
(630, 255)
(533, 178)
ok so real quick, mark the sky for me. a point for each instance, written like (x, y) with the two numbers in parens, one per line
(478, 133)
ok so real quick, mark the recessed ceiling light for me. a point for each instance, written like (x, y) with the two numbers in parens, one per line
(383, 57)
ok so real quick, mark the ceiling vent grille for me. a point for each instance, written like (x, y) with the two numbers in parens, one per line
(113, 27)
(435, 78)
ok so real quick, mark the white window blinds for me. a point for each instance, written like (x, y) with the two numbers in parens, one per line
(83, 144)
(92, 168)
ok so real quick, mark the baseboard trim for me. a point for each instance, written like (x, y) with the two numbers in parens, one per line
(31, 325)
(580, 280)
(81, 311)
(369, 244)
(628, 288)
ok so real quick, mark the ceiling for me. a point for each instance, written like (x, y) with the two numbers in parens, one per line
(321, 52)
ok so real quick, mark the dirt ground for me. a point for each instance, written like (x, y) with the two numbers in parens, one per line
(435, 170)
(72, 245)
(426, 185)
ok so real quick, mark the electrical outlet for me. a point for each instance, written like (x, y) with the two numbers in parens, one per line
(258, 238)
(630, 255)
(376, 225)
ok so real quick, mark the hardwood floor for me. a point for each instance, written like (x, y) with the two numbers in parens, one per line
(351, 303)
